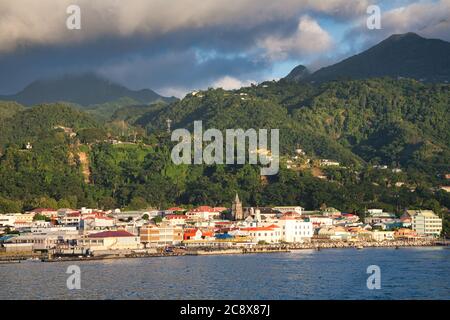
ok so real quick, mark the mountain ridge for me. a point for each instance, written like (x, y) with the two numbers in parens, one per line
(405, 55)
(83, 89)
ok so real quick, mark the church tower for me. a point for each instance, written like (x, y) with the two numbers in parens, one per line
(236, 209)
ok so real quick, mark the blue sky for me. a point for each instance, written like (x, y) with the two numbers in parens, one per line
(183, 45)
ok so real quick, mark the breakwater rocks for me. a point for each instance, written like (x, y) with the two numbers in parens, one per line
(206, 250)
(361, 244)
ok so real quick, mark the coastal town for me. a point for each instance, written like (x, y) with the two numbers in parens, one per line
(95, 234)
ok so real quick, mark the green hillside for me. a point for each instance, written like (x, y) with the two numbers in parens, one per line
(379, 121)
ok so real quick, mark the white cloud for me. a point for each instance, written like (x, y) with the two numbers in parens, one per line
(429, 19)
(230, 83)
(308, 39)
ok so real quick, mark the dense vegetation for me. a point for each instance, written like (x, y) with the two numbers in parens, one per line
(359, 123)
(379, 121)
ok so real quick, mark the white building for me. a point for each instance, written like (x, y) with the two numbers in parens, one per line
(14, 219)
(110, 240)
(382, 235)
(8, 220)
(295, 230)
(70, 219)
(319, 221)
(40, 241)
(426, 223)
(176, 219)
(97, 222)
(268, 234)
(285, 209)
(49, 229)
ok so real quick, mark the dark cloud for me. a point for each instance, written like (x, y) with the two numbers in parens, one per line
(190, 44)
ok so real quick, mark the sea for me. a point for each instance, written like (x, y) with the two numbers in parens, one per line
(368, 274)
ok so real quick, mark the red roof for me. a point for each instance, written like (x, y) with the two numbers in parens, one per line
(203, 209)
(269, 228)
(74, 214)
(97, 217)
(112, 234)
(207, 233)
(175, 209)
(190, 232)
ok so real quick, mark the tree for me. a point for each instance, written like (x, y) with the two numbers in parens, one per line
(10, 206)
(157, 219)
(137, 203)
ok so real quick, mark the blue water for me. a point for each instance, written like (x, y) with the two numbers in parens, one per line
(407, 273)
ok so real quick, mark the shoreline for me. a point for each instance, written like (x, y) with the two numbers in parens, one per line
(209, 251)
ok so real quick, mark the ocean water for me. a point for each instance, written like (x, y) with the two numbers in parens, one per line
(406, 273)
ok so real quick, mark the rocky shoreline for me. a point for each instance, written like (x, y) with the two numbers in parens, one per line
(280, 248)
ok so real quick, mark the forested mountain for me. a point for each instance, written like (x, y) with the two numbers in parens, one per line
(8, 109)
(31, 124)
(379, 120)
(82, 89)
(402, 55)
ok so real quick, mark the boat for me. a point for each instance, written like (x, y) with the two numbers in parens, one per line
(34, 259)
(359, 247)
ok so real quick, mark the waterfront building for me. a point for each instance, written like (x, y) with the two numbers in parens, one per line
(162, 234)
(295, 230)
(382, 235)
(426, 222)
(40, 242)
(405, 233)
(333, 233)
(110, 240)
(268, 234)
